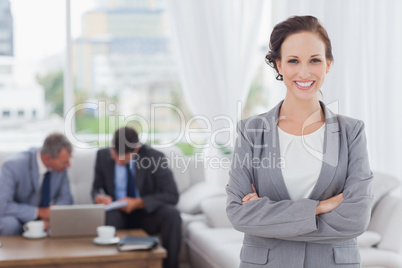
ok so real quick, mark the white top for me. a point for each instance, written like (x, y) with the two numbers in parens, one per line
(302, 158)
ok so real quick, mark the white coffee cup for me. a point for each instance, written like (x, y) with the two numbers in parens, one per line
(34, 228)
(106, 232)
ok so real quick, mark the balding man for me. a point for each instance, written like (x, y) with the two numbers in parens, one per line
(33, 180)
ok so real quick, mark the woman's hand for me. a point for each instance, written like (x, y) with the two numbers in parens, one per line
(329, 204)
(251, 197)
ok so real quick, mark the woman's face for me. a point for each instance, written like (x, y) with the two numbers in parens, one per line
(303, 64)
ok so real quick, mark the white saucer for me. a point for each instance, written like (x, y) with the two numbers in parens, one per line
(112, 241)
(42, 235)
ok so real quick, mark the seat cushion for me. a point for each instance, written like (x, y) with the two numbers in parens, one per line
(214, 209)
(190, 200)
(387, 221)
(176, 161)
(221, 245)
(372, 257)
(368, 239)
(81, 174)
(381, 185)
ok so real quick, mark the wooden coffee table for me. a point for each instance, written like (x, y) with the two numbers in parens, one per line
(75, 252)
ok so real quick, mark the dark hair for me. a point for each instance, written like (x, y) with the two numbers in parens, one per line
(125, 140)
(291, 26)
(54, 143)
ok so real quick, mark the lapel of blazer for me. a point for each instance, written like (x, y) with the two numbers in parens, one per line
(109, 174)
(33, 169)
(140, 171)
(330, 154)
(272, 139)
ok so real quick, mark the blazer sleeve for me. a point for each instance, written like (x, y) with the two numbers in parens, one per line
(351, 218)
(8, 206)
(99, 176)
(164, 190)
(64, 196)
(265, 217)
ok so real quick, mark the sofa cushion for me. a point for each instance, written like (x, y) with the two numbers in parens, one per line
(229, 255)
(373, 257)
(214, 209)
(178, 164)
(81, 174)
(387, 221)
(221, 246)
(190, 199)
(381, 185)
(368, 239)
(186, 219)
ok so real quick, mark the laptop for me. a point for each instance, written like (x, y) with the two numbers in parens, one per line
(76, 220)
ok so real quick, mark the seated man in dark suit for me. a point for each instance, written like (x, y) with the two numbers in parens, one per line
(139, 175)
(33, 180)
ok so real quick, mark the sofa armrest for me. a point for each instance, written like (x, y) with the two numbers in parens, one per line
(368, 239)
(382, 185)
(386, 220)
(375, 258)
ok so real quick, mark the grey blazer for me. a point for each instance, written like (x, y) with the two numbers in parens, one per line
(279, 232)
(20, 189)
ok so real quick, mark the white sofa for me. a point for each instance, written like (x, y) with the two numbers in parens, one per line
(213, 243)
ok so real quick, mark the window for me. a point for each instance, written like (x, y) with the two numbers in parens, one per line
(122, 65)
(122, 58)
(31, 61)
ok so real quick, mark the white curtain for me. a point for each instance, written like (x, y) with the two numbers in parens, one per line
(217, 48)
(365, 79)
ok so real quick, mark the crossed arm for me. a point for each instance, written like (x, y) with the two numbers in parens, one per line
(323, 207)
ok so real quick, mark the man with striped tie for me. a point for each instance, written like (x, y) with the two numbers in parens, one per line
(139, 174)
(33, 180)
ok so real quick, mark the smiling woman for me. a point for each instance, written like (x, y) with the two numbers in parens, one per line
(308, 211)
(303, 70)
